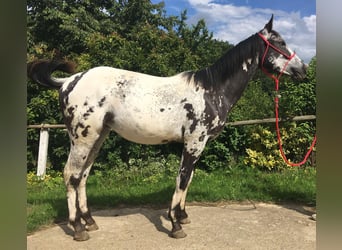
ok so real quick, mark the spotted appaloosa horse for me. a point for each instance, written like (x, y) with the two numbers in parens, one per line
(190, 107)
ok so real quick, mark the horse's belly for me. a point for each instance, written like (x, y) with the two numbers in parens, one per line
(148, 131)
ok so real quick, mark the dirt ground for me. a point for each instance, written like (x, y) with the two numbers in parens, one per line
(213, 226)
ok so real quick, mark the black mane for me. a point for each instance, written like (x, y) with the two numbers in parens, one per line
(228, 64)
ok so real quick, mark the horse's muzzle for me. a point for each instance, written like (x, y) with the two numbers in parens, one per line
(299, 73)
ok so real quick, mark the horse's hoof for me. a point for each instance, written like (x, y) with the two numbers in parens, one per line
(178, 234)
(92, 227)
(185, 221)
(81, 236)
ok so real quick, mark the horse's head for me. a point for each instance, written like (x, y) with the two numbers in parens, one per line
(278, 57)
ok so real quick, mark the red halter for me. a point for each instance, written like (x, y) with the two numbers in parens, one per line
(276, 80)
(288, 57)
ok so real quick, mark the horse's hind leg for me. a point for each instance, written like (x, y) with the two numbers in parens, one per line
(72, 171)
(82, 155)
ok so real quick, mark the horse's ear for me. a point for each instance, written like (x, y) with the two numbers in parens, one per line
(268, 28)
(269, 25)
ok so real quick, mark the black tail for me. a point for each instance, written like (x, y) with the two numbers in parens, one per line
(40, 71)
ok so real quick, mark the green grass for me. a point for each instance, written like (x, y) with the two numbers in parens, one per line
(46, 200)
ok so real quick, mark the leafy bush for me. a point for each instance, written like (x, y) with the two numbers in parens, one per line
(263, 152)
(50, 181)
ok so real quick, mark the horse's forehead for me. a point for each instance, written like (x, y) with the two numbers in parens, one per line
(275, 36)
(276, 33)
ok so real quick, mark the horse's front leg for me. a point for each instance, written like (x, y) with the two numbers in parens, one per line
(177, 214)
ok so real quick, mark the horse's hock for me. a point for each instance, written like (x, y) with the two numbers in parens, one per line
(223, 226)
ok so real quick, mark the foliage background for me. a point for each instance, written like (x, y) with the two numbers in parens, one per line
(140, 36)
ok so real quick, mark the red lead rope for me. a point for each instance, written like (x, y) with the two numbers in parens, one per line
(280, 142)
(276, 80)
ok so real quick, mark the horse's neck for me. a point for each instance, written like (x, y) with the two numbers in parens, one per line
(233, 86)
(234, 69)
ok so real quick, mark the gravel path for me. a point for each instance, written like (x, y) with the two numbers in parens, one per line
(223, 226)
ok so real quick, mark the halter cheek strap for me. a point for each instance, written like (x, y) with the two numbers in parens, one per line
(288, 57)
(276, 80)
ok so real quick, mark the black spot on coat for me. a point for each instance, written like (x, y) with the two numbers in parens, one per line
(75, 182)
(85, 131)
(78, 125)
(102, 101)
(90, 110)
(191, 116)
(68, 115)
(64, 94)
(187, 167)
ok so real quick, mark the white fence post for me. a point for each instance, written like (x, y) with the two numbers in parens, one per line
(43, 152)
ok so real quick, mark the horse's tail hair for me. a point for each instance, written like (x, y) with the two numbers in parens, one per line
(40, 71)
